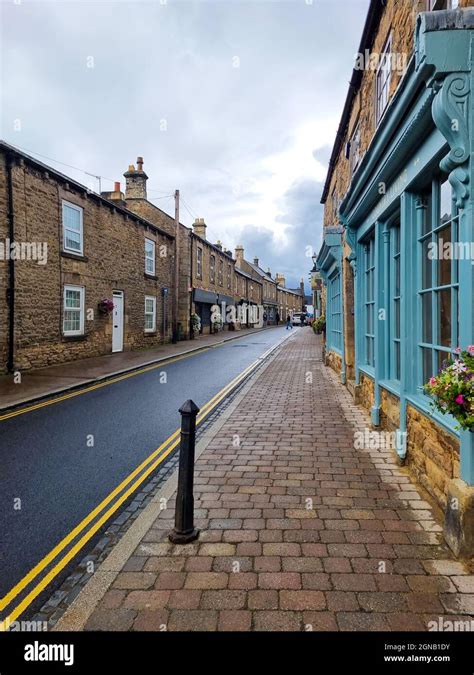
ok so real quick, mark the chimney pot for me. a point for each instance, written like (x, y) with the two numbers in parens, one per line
(140, 163)
(117, 186)
(131, 167)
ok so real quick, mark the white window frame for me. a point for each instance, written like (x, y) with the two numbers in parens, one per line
(80, 210)
(148, 258)
(81, 289)
(385, 87)
(153, 313)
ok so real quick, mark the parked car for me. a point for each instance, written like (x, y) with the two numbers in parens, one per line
(298, 319)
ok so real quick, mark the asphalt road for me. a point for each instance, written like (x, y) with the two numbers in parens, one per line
(49, 463)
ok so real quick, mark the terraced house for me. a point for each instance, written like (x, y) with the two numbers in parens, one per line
(83, 274)
(400, 185)
(101, 284)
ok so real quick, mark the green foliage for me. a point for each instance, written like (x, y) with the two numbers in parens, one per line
(319, 324)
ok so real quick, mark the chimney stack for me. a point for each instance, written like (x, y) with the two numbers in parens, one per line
(135, 181)
(280, 279)
(255, 261)
(116, 195)
(239, 255)
(199, 228)
(218, 244)
(268, 272)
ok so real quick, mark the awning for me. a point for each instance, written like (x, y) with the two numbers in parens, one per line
(228, 299)
(209, 297)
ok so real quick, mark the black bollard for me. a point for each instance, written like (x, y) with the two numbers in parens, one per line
(184, 530)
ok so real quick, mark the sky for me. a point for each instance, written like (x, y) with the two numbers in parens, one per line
(234, 102)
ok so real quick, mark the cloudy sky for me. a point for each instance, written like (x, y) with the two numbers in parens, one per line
(234, 102)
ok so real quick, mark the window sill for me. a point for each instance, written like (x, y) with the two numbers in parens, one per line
(74, 256)
(74, 338)
(368, 370)
(152, 277)
(150, 333)
(422, 404)
(393, 386)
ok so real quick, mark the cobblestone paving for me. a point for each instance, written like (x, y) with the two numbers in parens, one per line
(52, 610)
(300, 531)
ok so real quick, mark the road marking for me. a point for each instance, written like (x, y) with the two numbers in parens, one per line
(28, 578)
(99, 385)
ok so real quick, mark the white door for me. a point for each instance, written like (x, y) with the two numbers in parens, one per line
(117, 330)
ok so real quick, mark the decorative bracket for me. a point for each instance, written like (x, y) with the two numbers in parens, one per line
(450, 110)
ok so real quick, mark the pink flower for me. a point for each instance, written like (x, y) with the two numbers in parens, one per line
(457, 350)
(470, 350)
(460, 399)
(432, 381)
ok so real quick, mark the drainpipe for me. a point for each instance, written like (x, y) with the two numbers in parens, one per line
(11, 269)
(343, 315)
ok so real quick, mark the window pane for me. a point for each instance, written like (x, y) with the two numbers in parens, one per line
(426, 265)
(72, 240)
(446, 203)
(427, 220)
(73, 298)
(427, 362)
(444, 317)
(396, 327)
(426, 317)
(444, 265)
(397, 360)
(71, 218)
(442, 360)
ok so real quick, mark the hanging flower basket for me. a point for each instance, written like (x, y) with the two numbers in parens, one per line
(453, 388)
(106, 306)
(319, 325)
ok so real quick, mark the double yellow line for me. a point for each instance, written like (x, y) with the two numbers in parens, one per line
(142, 471)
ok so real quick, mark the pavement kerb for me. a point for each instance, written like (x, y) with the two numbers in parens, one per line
(123, 371)
(78, 613)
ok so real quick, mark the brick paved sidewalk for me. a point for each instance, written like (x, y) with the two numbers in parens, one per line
(300, 531)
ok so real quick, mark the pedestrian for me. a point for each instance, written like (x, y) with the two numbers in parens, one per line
(277, 319)
(288, 322)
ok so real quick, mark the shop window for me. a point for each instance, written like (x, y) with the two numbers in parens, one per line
(369, 301)
(334, 312)
(438, 281)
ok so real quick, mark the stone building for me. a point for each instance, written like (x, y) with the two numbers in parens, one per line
(248, 293)
(69, 255)
(399, 183)
(289, 300)
(269, 285)
(212, 278)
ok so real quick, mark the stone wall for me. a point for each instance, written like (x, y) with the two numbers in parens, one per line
(432, 454)
(113, 259)
(398, 20)
(334, 361)
(390, 410)
(366, 391)
(152, 213)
